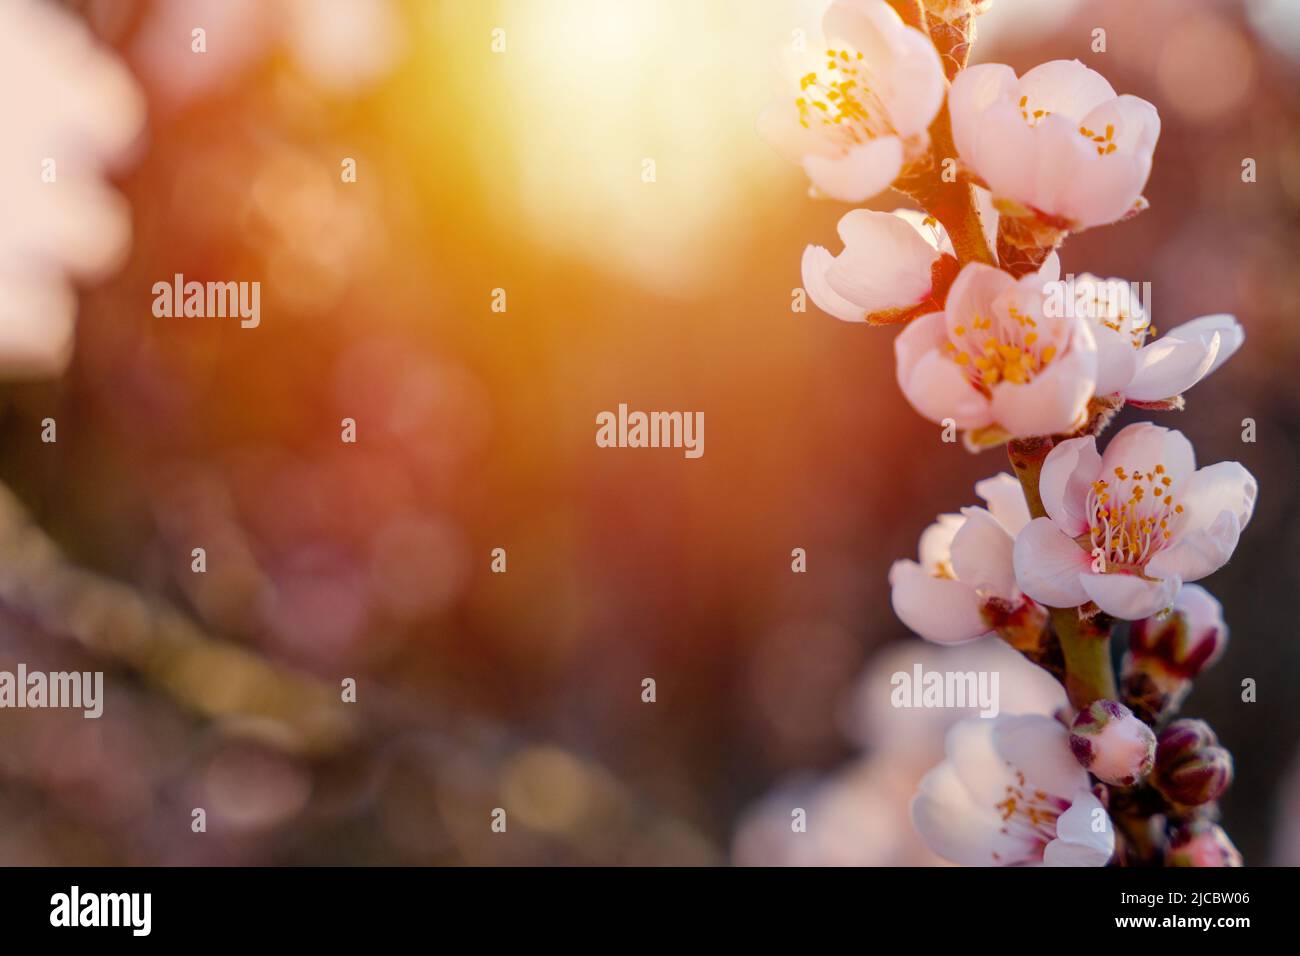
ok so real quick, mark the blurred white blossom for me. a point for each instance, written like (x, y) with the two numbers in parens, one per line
(68, 110)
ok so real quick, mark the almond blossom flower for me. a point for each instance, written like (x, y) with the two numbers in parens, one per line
(1010, 793)
(1057, 141)
(995, 363)
(1126, 528)
(863, 109)
(69, 109)
(1129, 366)
(965, 562)
(892, 265)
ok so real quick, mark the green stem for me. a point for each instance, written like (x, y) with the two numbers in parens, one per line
(1086, 648)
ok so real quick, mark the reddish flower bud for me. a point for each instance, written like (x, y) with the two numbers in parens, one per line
(1191, 768)
(1112, 744)
(1201, 843)
(1186, 640)
(1167, 651)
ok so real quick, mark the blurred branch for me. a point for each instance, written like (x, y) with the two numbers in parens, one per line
(161, 644)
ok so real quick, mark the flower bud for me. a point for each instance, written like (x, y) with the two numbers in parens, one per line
(1186, 640)
(1167, 651)
(1201, 843)
(1112, 744)
(1191, 768)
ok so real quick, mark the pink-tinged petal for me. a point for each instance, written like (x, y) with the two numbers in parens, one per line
(973, 91)
(919, 337)
(1111, 182)
(1049, 564)
(1061, 154)
(933, 384)
(1005, 151)
(1198, 553)
(981, 555)
(865, 170)
(974, 292)
(1136, 124)
(1128, 596)
(1077, 843)
(866, 26)
(914, 84)
(1225, 486)
(938, 609)
(1068, 473)
(1056, 400)
(886, 263)
(938, 389)
(815, 265)
(1117, 360)
(935, 549)
(1006, 500)
(1143, 446)
(1169, 366)
(1065, 88)
(1038, 747)
(969, 747)
(1106, 189)
(957, 828)
(1231, 335)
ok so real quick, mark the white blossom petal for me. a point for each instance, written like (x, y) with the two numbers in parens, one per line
(1129, 597)
(1231, 335)
(1077, 842)
(1049, 565)
(1063, 484)
(886, 262)
(815, 265)
(981, 555)
(863, 171)
(1169, 366)
(938, 609)
(1142, 446)
(1006, 500)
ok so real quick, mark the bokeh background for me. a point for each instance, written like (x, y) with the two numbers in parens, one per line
(522, 170)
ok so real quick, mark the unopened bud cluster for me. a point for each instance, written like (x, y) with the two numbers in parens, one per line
(1191, 768)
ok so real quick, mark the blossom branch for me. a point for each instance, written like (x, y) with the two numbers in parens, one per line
(952, 203)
